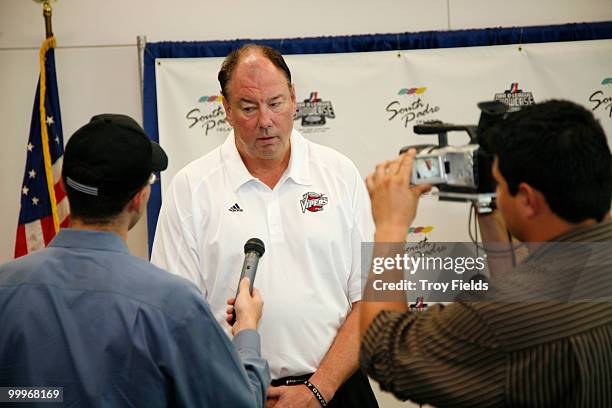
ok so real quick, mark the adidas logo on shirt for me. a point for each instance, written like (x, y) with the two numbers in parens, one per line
(235, 208)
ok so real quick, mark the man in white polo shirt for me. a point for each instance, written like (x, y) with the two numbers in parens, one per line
(307, 203)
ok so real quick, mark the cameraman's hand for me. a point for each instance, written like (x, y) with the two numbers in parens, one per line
(248, 308)
(394, 200)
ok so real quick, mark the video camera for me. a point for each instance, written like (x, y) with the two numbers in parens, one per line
(461, 173)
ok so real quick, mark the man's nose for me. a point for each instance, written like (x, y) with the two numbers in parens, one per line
(265, 118)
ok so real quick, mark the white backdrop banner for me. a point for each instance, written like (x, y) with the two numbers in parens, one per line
(366, 104)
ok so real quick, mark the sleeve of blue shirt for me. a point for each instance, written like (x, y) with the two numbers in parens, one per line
(248, 346)
(207, 368)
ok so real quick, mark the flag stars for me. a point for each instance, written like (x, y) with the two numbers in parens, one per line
(30, 147)
(32, 173)
(35, 200)
(50, 120)
(56, 139)
(25, 190)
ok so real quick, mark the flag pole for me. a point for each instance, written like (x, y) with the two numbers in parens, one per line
(44, 205)
(47, 13)
(49, 43)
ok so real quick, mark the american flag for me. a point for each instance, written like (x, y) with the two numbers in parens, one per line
(44, 206)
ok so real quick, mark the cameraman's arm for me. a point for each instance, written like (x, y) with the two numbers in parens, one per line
(492, 227)
(394, 205)
(496, 242)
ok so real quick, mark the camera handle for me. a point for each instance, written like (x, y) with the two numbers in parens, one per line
(441, 129)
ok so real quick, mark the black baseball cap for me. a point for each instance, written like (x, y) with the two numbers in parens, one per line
(111, 156)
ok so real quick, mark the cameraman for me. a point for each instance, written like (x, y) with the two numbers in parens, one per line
(554, 183)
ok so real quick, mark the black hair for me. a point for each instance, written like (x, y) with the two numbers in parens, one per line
(97, 209)
(559, 148)
(233, 58)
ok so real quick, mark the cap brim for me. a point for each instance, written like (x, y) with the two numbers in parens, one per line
(159, 159)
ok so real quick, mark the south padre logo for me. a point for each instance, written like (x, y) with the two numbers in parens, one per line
(515, 98)
(313, 202)
(411, 107)
(602, 100)
(210, 115)
(314, 111)
(420, 230)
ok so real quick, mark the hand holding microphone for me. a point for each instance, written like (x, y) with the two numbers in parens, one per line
(248, 308)
(244, 311)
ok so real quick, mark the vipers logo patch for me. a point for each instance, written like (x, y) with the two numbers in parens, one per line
(313, 202)
(314, 110)
(515, 98)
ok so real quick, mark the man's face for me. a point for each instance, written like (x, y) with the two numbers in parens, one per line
(260, 108)
(507, 203)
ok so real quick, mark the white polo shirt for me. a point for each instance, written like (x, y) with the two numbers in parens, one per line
(312, 224)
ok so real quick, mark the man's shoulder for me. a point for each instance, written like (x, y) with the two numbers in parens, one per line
(17, 270)
(123, 278)
(156, 275)
(600, 232)
(514, 322)
(201, 168)
(160, 289)
(321, 154)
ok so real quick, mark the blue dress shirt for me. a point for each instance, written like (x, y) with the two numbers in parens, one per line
(115, 331)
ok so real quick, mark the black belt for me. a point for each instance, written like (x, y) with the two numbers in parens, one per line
(297, 380)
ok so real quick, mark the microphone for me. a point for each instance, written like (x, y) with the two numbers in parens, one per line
(253, 250)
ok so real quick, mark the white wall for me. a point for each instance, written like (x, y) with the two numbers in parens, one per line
(97, 61)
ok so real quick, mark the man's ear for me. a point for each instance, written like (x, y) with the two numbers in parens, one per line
(139, 200)
(228, 111)
(292, 95)
(531, 201)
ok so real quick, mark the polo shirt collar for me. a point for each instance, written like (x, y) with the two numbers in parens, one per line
(237, 171)
(601, 230)
(297, 170)
(87, 239)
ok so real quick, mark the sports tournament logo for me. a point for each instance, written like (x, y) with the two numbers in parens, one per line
(209, 115)
(313, 202)
(314, 113)
(411, 107)
(601, 101)
(314, 110)
(514, 97)
(419, 304)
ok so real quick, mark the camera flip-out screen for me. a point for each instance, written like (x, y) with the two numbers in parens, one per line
(428, 170)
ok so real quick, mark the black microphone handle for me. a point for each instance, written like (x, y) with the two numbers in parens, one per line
(249, 269)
